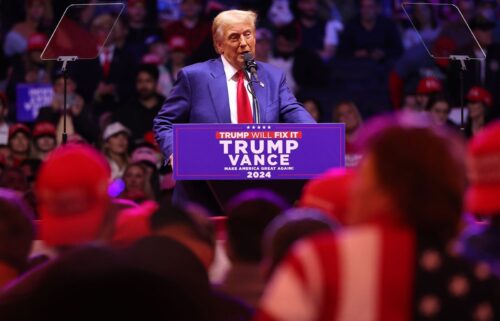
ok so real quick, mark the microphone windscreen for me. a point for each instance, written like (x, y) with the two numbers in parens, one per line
(250, 63)
(247, 56)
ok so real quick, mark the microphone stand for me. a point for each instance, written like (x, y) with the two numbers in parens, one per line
(463, 69)
(64, 70)
(255, 103)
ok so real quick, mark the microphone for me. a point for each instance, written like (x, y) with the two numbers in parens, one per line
(251, 67)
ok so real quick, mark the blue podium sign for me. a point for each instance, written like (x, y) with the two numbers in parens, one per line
(256, 151)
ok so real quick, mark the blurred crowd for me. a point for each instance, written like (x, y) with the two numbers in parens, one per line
(407, 231)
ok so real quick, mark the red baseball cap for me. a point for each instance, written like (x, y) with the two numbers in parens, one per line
(329, 192)
(429, 85)
(149, 137)
(44, 128)
(177, 43)
(19, 127)
(483, 171)
(151, 58)
(133, 223)
(71, 190)
(479, 94)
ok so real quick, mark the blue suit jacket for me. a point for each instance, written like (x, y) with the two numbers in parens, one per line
(200, 96)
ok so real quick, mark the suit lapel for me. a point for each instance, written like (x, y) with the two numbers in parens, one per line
(218, 91)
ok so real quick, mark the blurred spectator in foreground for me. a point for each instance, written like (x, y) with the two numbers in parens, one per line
(347, 112)
(97, 281)
(188, 229)
(482, 243)
(19, 143)
(72, 196)
(282, 233)
(371, 35)
(138, 114)
(16, 234)
(190, 226)
(330, 193)
(479, 105)
(407, 201)
(248, 214)
(115, 147)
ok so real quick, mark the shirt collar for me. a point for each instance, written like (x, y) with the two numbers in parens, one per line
(229, 70)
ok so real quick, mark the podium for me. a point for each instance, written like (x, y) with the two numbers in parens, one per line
(231, 158)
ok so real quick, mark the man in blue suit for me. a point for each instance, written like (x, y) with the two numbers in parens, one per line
(215, 91)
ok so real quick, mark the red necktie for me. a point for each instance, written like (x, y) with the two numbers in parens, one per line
(106, 64)
(244, 107)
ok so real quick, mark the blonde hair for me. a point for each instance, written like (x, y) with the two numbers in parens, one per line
(229, 17)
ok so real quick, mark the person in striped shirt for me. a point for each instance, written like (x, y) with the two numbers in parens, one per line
(395, 263)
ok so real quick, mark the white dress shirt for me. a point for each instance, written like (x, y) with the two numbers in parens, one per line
(111, 53)
(232, 84)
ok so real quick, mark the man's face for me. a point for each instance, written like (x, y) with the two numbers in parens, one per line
(476, 109)
(237, 39)
(19, 143)
(45, 143)
(59, 86)
(422, 101)
(145, 85)
(349, 117)
(439, 112)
